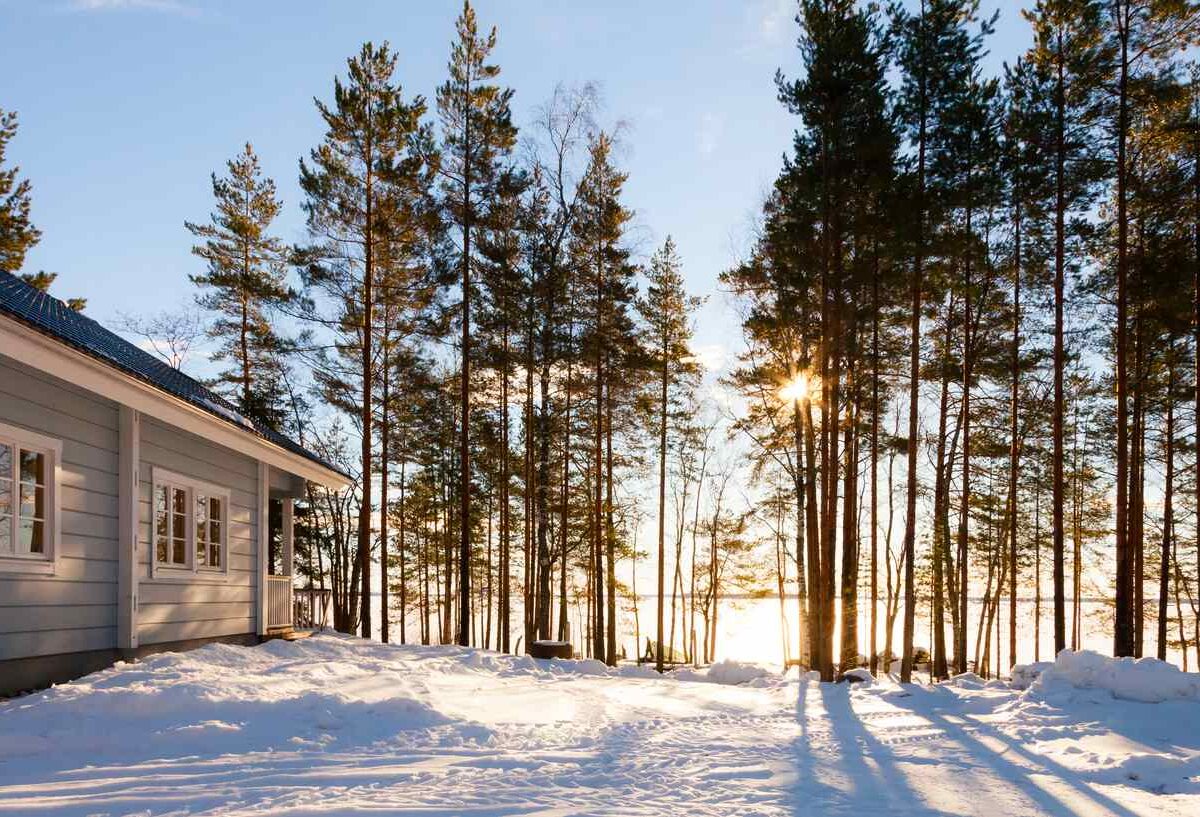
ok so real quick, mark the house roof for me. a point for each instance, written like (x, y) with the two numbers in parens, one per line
(52, 317)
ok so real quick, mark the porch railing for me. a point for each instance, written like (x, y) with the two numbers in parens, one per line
(279, 602)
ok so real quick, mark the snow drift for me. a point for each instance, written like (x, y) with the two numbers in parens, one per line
(1133, 679)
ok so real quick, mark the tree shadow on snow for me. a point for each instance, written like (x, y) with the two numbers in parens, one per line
(854, 770)
(1091, 802)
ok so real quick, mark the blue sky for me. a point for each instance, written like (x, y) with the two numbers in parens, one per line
(127, 106)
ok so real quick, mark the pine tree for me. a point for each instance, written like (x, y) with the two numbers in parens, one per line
(936, 53)
(17, 233)
(503, 275)
(1141, 36)
(667, 312)
(1069, 55)
(478, 135)
(354, 184)
(245, 281)
(606, 290)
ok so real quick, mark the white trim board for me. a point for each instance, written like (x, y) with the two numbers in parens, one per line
(46, 564)
(34, 349)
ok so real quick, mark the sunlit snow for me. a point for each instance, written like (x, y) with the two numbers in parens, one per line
(339, 726)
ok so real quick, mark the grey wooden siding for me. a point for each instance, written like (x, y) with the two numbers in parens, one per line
(74, 610)
(198, 606)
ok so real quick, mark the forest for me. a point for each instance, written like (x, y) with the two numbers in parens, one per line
(970, 312)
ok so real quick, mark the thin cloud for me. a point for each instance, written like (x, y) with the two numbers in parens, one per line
(168, 6)
(711, 356)
(709, 134)
(775, 20)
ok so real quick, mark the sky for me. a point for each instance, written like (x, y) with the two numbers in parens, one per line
(127, 106)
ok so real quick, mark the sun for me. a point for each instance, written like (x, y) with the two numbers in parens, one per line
(795, 390)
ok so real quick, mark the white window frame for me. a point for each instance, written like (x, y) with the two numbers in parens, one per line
(36, 563)
(190, 570)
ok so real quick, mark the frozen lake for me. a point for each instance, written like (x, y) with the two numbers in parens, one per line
(751, 629)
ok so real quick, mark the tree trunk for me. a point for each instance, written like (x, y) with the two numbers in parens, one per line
(610, 537)
(1058, 500)
(1168, 510)
(874, 649)
(910, 521)
(662, 504)
(1123, 640)
(367, 410)
(384, 453)
(849, 583)
(464, 442)
(941, 511)
(1014, 412)
(964, 520)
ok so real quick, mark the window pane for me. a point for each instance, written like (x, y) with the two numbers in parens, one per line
(5, 496)
(214, 551)
(177, 526)
(178, 556)
(215, 509)
(201, 530)
(6, 460)
(6, 545)
(179, 500)
(214, 532)
(33, 501)
(33, 467)
(160, 523)
(32, 533)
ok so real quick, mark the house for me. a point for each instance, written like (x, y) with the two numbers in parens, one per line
(139, 511)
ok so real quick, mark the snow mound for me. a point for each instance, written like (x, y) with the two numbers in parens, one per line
(859, 675)
(729, 673)
(967, 680)
(1023, 675)
(1142, 679)
(732, 673)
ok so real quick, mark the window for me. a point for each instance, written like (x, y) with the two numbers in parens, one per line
(29, 465)
(189, 526)
(210, 512)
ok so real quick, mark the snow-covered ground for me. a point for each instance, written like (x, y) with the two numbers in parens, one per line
(337, 726)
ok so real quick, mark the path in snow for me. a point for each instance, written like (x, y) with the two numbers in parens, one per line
(336, 726)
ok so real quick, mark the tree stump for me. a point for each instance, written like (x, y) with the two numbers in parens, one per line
(551, 649)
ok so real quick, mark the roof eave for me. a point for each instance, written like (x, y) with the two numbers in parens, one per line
(41, 350)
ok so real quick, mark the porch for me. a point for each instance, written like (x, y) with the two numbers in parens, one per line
(277, 563)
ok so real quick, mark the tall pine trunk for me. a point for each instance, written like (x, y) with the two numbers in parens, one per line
(384, 453)
(367, 411)
(610, 537)
(1014, 413)
(1168, 531)
(874, 649)
(914, 389)
(1058, 501)
(1123, 638)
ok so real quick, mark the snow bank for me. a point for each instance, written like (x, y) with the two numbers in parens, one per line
(1023, 675)
(1143, 679)
(967, 680)
(736, 672)
(729, 673)
(860, 675)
